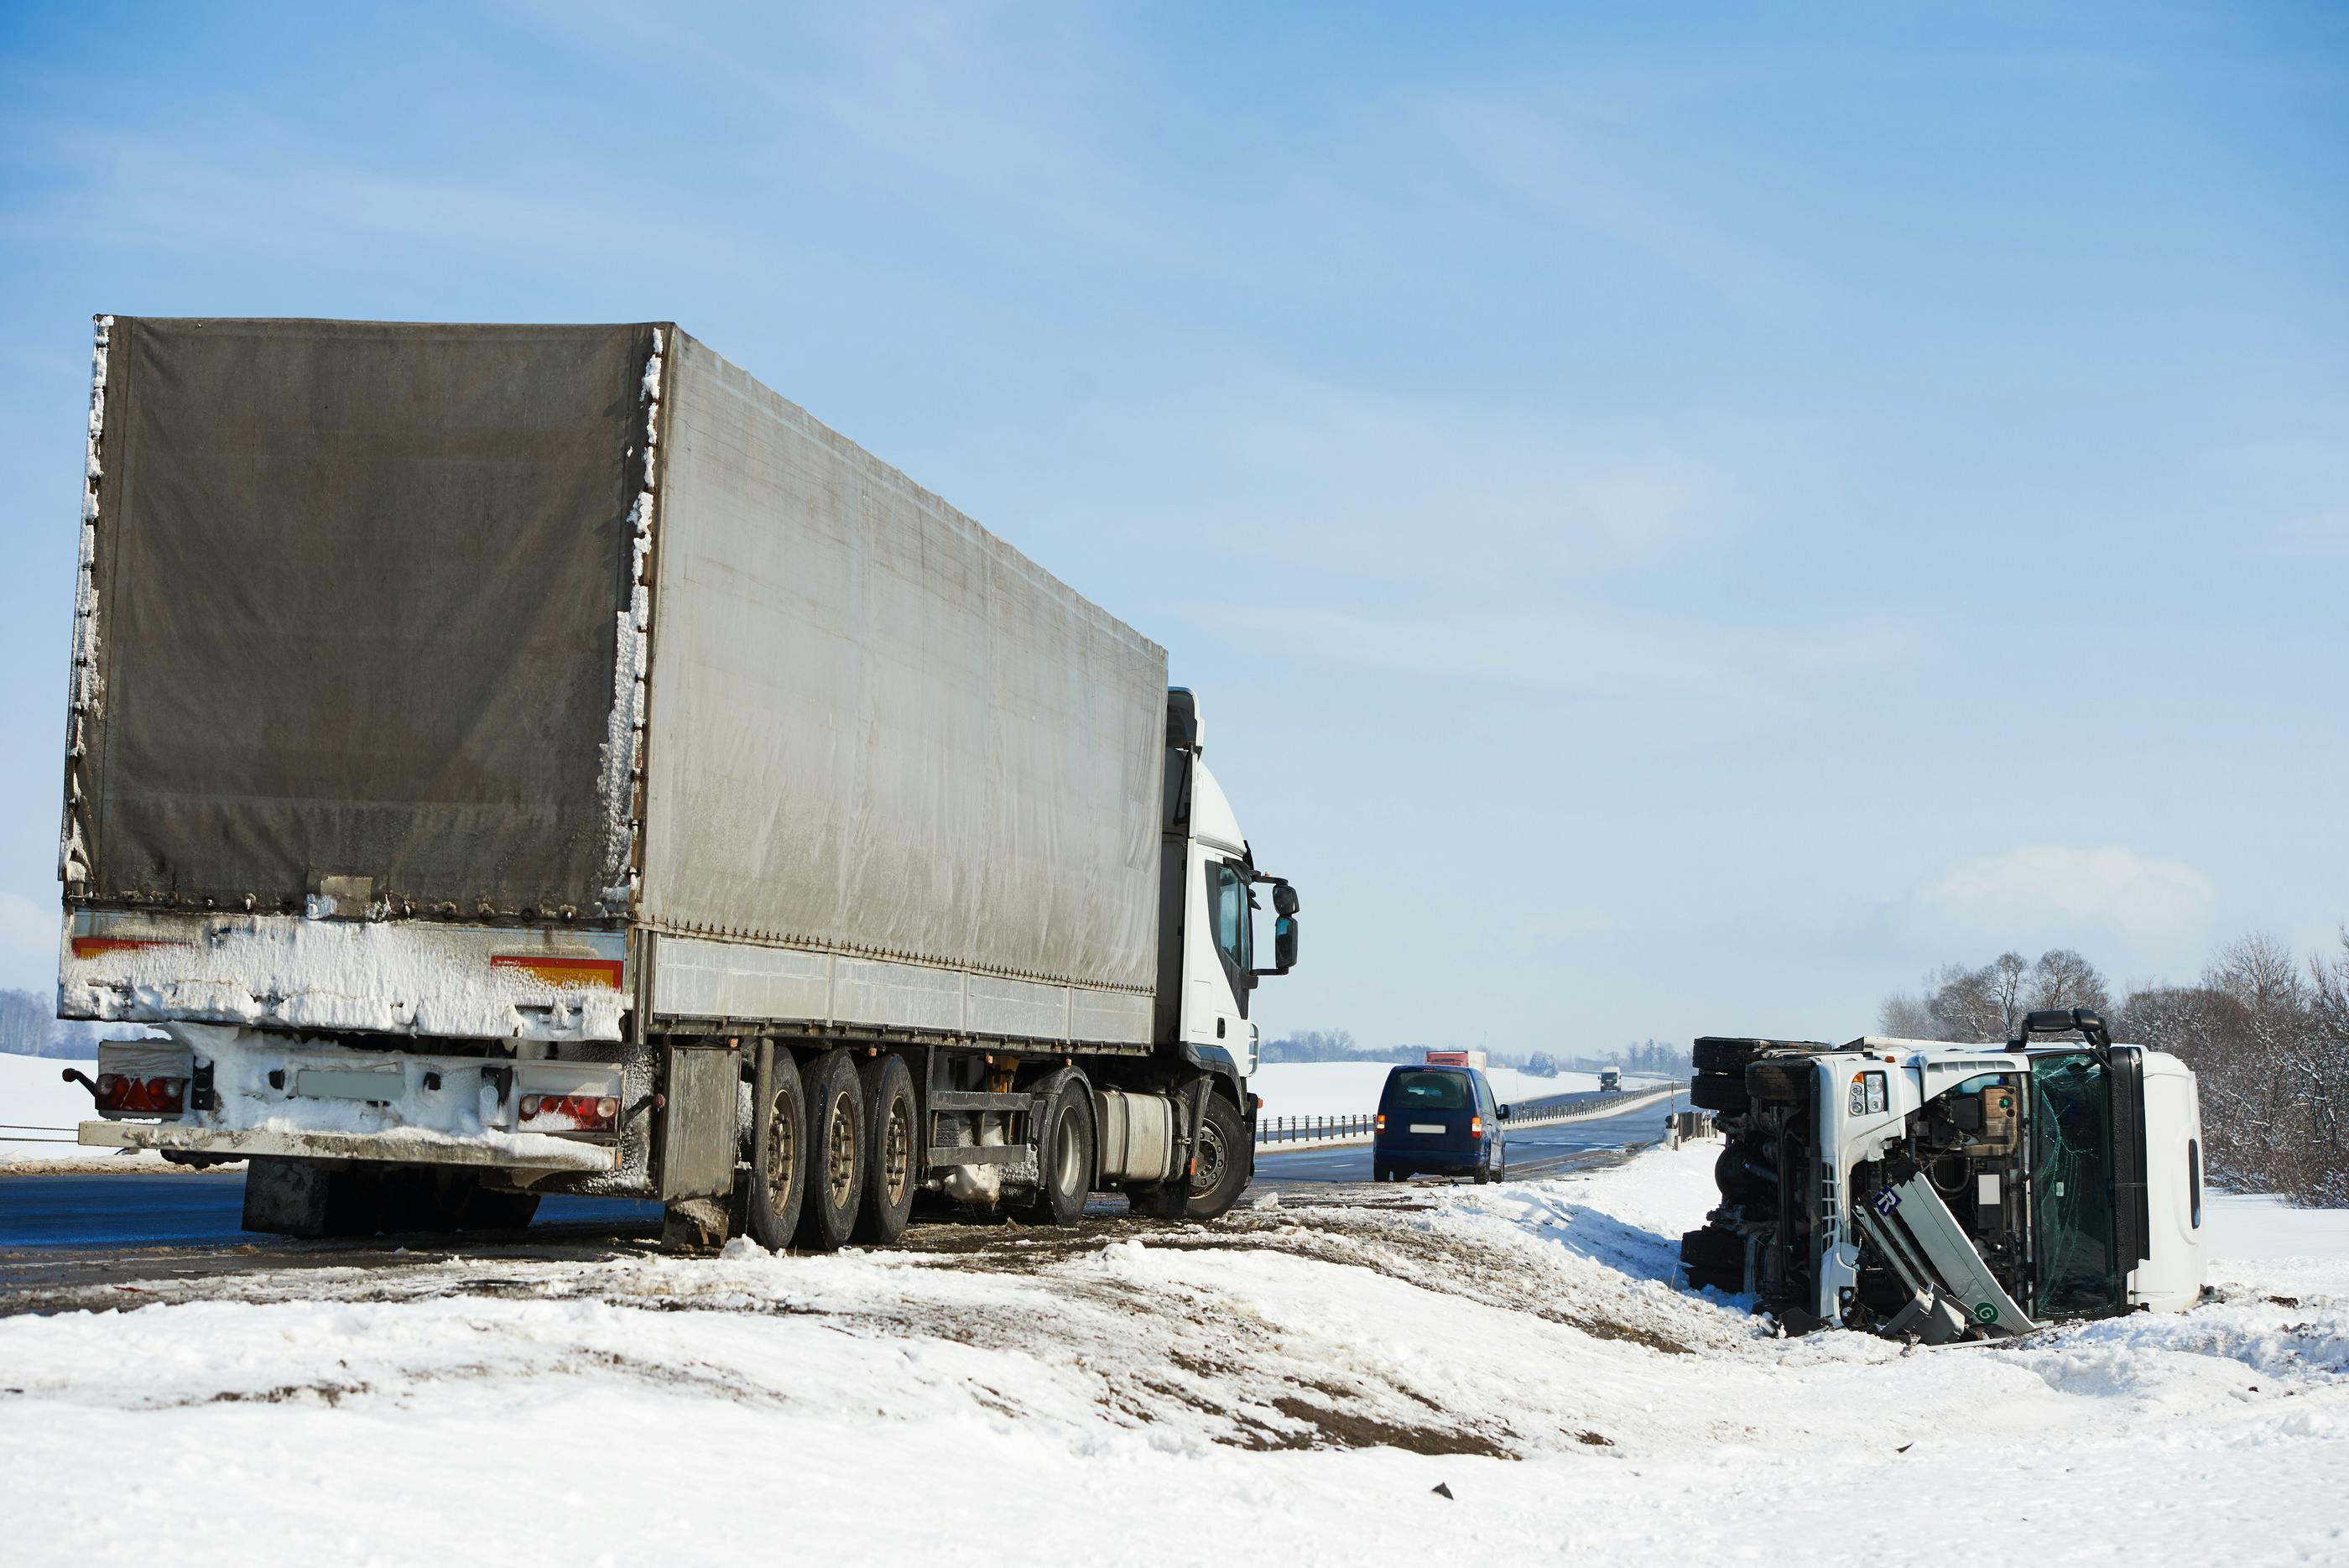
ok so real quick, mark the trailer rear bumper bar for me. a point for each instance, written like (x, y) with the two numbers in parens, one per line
(400, 1146)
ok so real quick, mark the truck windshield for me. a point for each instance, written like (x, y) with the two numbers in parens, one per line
(1426, 1091)
(2072, 1187)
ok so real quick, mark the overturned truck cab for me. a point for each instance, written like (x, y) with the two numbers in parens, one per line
(1932, 1191)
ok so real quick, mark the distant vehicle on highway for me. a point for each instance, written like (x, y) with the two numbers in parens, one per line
(1610, 1080)
(1438, 1119)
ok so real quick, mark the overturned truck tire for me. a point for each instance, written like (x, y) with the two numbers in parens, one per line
(1715, 1258)
(1717, 1093)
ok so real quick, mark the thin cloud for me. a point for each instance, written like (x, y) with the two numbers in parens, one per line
(2055, 896)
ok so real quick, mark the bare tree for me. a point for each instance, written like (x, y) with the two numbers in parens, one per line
(1975, 1004)
(2062, 978)
(1907, 1017)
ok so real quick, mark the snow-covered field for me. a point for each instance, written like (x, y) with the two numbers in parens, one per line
(1288, 1386)
(34, 1092)
(1352, 1088)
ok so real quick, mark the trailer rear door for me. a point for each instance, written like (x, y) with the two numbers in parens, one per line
(352, 611)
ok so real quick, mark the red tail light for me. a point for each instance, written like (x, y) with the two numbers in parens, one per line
(587, 1113)
(1476, 1126)
(128, 1095)
(1379, 1123)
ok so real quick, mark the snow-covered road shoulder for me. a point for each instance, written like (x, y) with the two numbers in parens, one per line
(1290, 1382)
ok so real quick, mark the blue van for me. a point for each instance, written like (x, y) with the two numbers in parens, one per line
(1438, 1121)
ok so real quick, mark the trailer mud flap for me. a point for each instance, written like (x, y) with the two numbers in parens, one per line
(699, 1127)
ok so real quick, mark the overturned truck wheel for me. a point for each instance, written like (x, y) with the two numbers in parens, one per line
(1713, 1258)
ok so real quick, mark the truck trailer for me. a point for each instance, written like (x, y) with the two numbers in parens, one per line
(1937, 1192)
(506, 760)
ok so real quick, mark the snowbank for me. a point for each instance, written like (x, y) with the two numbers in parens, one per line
(1288, 1386)
(1352, 1088)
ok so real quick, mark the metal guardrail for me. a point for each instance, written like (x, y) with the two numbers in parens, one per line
(1277, 1131)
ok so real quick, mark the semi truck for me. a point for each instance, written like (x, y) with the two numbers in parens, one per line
(513, 760)
(1939, 1192)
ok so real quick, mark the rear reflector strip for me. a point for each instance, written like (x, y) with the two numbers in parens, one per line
(555, 971)
(90, 947)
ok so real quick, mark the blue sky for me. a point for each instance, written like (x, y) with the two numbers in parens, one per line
(1679, 521)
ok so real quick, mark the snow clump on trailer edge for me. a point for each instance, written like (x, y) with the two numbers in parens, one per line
(622, 750)
(406, 977)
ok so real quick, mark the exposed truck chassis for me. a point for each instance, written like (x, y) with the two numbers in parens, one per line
(1938, 1192)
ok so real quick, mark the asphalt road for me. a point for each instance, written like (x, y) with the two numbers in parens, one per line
(199, 1208)
(59, 1216)
(1532, 1150)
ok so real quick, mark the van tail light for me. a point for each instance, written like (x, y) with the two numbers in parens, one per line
(1379, 1123)
(126, 1094)
(1476, 1126)
(585, 1113)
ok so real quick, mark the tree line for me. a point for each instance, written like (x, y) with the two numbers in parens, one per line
(2265, 1029)
(29, 1026)
(1337, 1046)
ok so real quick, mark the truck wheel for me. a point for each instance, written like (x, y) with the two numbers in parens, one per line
(1219, 1165)
(891, 1134)
(1064, 1153)
(779, 1142)
(1718, 1093)
(1721, 1053)
(1714, 1257)
(835, 1153)
(1730, 1175)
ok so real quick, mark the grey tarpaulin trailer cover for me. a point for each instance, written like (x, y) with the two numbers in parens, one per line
(582, 629)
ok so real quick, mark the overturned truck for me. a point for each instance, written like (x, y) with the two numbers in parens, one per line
(1919, 1190)
(507, 760)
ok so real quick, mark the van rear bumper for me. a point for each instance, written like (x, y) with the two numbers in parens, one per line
(1429, 1161)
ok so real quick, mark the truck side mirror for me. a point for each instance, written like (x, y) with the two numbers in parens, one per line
(1284, 899)
(1284, 943)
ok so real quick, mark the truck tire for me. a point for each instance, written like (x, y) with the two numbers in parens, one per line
(1219, 1166)
(835, 1153)
(1714, 1257)
(1730, 1175)
(778, 1185)
(1720, 1054)
(1064, 1151)
(892, 1142)
(1720, 1094)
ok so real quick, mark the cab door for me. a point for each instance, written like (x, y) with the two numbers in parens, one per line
(1219, 938)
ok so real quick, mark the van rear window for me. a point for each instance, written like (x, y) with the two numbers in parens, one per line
(1427, 1091)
